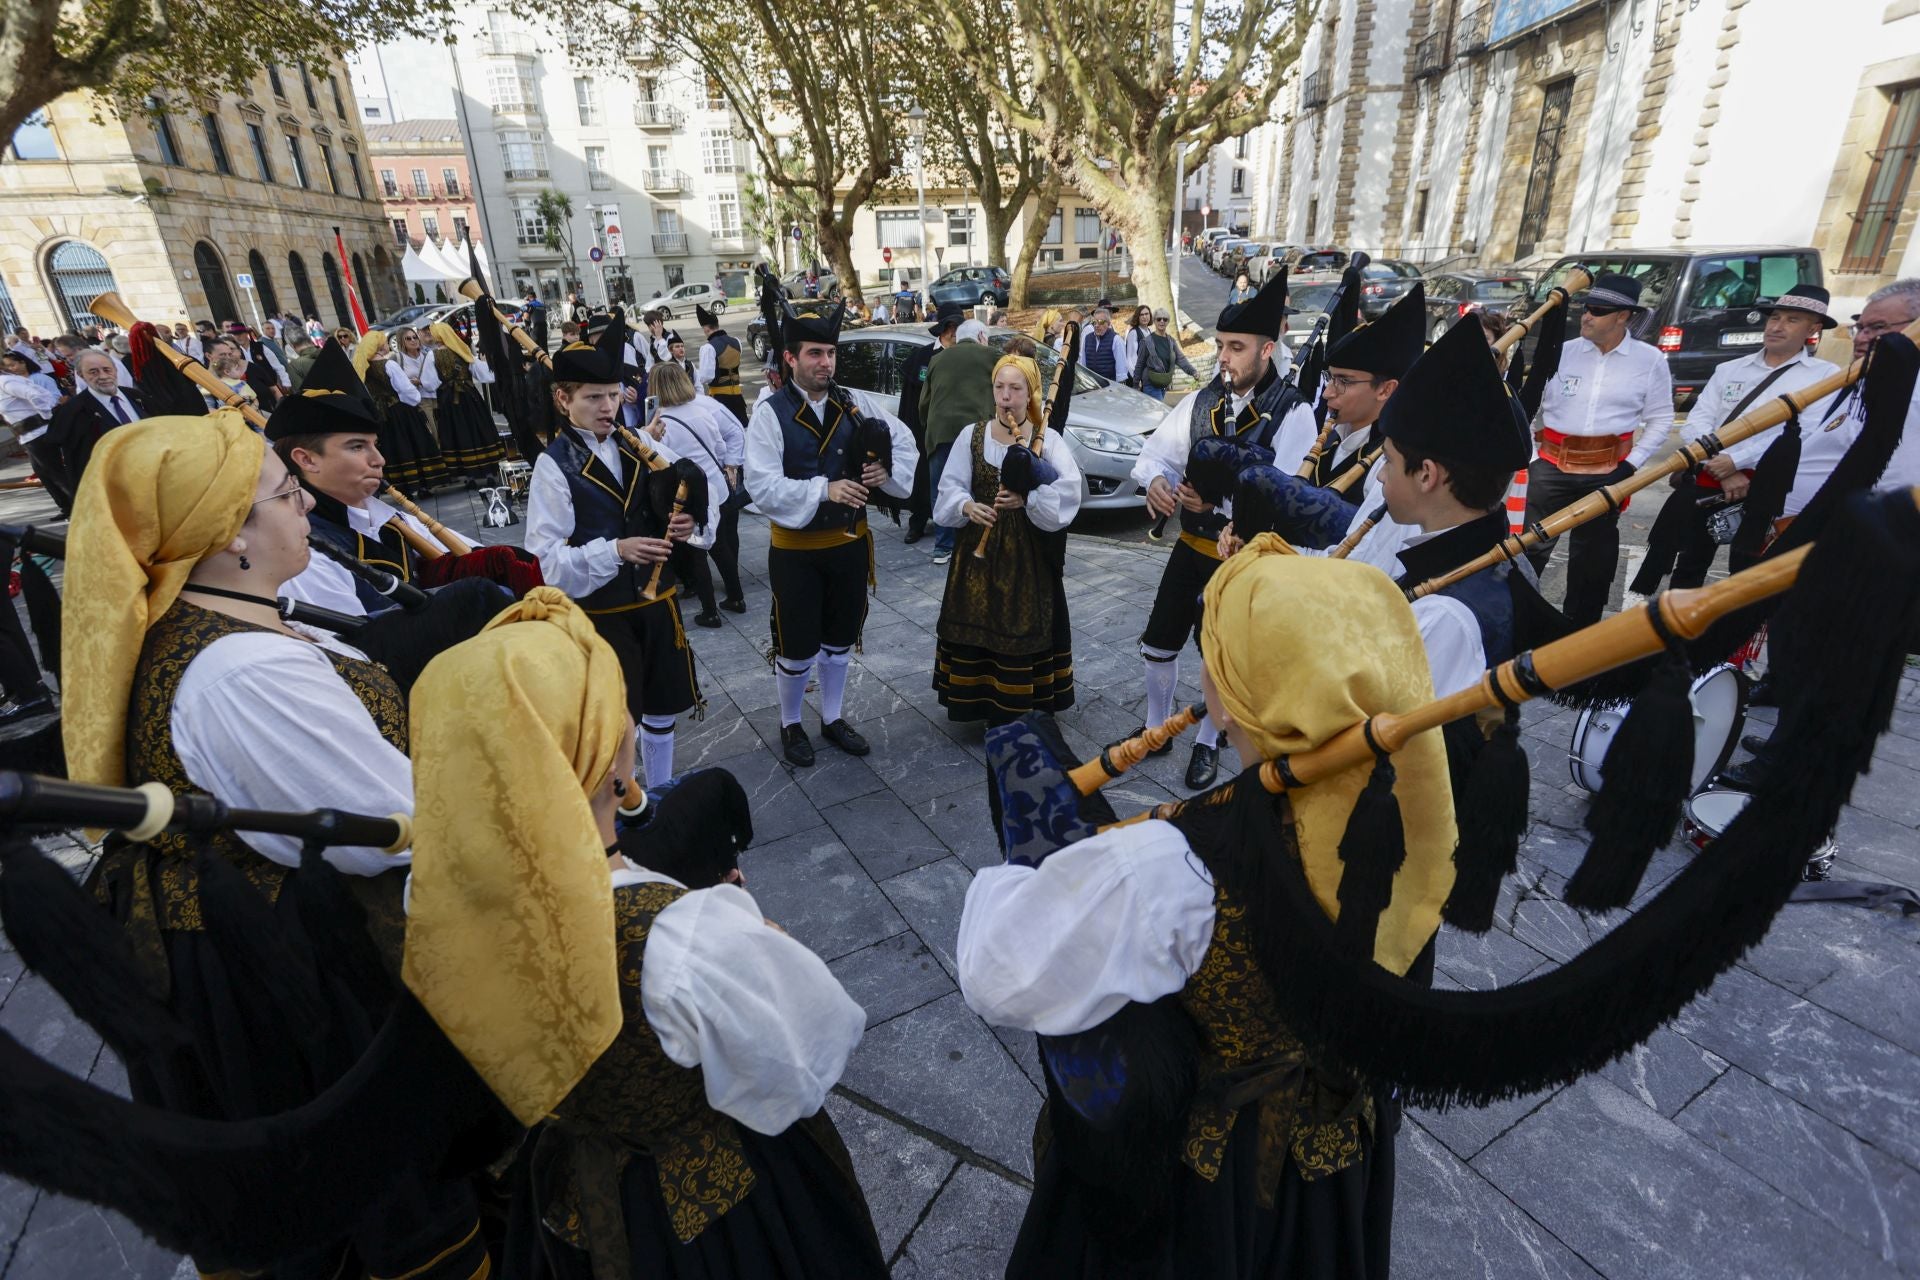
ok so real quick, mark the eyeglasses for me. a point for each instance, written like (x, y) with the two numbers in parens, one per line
(1345, 383)
(1876, 328)
(293, 490)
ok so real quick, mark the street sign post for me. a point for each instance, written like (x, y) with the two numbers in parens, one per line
(594, 254)
(245, 280)
(886, 256)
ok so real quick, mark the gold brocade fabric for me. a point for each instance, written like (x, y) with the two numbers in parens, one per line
(158, 495)
(181, 635)
(1302, 648)
(1004, 601)
(1253, 1063)
(640, 1101)
(453, 371)
(510, 942)
(452, 344)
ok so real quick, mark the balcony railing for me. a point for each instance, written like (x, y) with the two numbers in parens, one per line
(1470, 32)
(521, 108)
(1430, 56)
(1313, 90)
(729, 242)
(670, 244)
(664, 180)
(509, 44)
(526, 175)
(600, 181)
(657, 115)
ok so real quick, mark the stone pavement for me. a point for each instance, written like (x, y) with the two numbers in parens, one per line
(1773, 1130)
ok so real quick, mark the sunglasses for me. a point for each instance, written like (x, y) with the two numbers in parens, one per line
(1604, 311)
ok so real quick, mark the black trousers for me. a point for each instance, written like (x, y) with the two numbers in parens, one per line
(19, 673)
(1175, 614)
(726, 552)
(52, 470)
(1697, 547)
(1593, 549)
(819, 597)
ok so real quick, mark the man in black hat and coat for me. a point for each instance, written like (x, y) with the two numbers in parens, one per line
(718, 373)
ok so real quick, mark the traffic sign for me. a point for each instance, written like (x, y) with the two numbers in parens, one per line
(796, 233)
(594, 254)
(243, 279)
(886, 256)
(1206, 210)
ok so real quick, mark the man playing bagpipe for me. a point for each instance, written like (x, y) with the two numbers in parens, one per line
(327, 435)
(609, 516)
(1248, 405)
(815, 452)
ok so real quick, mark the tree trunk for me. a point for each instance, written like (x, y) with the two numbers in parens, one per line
(999, 223)
(838, 244)
(1143, 216)
(1046, 201)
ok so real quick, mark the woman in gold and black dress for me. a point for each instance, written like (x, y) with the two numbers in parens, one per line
(469, 443)
(414, 464)
(1005, 644)
(670, 1049)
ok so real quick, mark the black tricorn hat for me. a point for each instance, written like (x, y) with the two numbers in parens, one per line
(580, 362)
(821, 326)
(1454, 406)
(331, 399)
(1263, 315)
(705, 316)
(1388, 347)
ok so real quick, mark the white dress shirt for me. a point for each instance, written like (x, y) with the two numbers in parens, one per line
(22, 398)
(792, 503)
(1166, 450)
(1050, 508)
(704, 368)
(115, 405)
(582, 570)
(325, 584)
(1730, 384)
(1828, 430)
(720, 425)
(690, 434)
(263, 721)
(1611, 393)
(403, 369)
(761, 1016)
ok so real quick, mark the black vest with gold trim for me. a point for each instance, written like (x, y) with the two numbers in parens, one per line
(1256, 423)
(811, 448)
(604, 507)
(726, 364)
(389, 552)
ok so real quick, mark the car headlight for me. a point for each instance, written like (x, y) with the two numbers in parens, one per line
(1103, 441)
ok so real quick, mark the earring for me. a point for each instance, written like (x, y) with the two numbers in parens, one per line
(619, 787)
(245, 564)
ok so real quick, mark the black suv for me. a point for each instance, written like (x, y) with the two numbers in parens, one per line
(1699, 301)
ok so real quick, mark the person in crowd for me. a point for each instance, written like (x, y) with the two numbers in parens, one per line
(703, 429)
(415, 378)
(1104, 351)
(100, 405)
(413, 462)
(913, 379)
(1160, 355)
(958, 392)
(305, 352)
(1242, 289)
(1139, 326)
(718, 373)
(27, 407)
(229, 364)
(470, 444)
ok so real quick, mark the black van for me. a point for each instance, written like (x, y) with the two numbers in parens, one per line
(1700, 301)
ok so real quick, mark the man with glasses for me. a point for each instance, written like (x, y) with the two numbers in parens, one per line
(97, 406)
(1609, 386)
(1102, 351)
(1160, 356)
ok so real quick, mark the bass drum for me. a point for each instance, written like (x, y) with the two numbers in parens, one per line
(1719, 713)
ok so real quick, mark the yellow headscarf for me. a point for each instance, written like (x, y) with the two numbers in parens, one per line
(1031, 371)
(1302, 647)
(158, 496)
(1044, 330)
(370, 341)
(449, 337)
(510, 940)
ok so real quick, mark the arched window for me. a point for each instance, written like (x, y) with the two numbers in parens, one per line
(9, 318)
(263, 281)
(370, 301)
(302, 287)
(339, 293)
(79, 275)
(213, 282)
(394, 295)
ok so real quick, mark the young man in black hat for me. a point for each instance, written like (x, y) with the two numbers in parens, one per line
(1609, 385)
(718, 374)
(610, 335)
(592, 522)
(821, 560)
(1248, 402)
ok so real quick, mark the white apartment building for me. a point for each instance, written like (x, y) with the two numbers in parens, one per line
(649, 158)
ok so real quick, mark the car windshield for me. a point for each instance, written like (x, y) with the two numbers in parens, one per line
(1311, 297)
(1499, 290)
(1322, 261)
(1740, 280)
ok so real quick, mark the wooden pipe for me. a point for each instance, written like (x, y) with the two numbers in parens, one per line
(1610, 499)
(1311, 463)
(452, 541)
(1345, 480)
(1013, 429)
(110, 307)
(1577, 280)
(1115, 760)
(1360, 531)
(470, 288)
(679, 505)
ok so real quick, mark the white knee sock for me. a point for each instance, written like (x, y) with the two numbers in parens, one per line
(833, 682)
(791, 676)
(1163, 672)
(656, 748)
(1209, 735)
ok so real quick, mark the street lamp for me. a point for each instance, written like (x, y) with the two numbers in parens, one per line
(917, 130)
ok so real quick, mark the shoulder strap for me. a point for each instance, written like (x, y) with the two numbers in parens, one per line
(1754, 394)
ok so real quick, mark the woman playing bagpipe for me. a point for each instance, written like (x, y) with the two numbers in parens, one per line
(180, 672)
(611, 518)
(1005, 645)
(414, 464)
(469, 444)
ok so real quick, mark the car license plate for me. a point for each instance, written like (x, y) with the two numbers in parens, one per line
(1740, 339)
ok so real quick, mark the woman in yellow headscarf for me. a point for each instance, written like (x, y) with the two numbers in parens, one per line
(180, 672)
(469, 443)
(671, 1049)
(1272, 1163)
(1005, 645)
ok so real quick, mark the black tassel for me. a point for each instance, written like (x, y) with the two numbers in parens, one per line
(260, 953)
(1643, 783)
(43, 611)
(1677, 516)
(1371, 851)
(1492, 816)
(1767, 495)
(336, 924)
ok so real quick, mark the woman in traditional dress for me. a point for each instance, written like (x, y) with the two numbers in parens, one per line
(413, 460)
(469, 443)
(181, 672)
(1004, 643)
(671, 1049)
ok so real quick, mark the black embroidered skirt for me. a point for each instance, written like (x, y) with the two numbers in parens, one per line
(413, 459)
(469, 442)
(1005, 642)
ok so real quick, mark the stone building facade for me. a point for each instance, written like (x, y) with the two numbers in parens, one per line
(171, 211)
(420, 169)
(1514, 131)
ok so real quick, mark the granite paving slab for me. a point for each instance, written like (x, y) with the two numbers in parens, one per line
(969, 1231)
(811, 886)
(892, 976)
(900, 1171)
(1450, 1223)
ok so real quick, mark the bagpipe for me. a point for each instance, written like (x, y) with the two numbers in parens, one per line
(871, 442)
(1023, 469)
(670, 491)
(1853, 600)
(1214, 464)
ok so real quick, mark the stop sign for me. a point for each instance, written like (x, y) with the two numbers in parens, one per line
(886, 256)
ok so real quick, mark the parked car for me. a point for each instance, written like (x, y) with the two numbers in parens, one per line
(1222, 248)
(1261, 266)
(1240, 258)
(1107, 424)
(1309, 302)
(1382, 283)
(756, 338)
(1320, 261)
(1699, 301)
(1205, 240)
(415, 314)
(680, 303)
(969, 285)
(1456, 293)
(795, 283)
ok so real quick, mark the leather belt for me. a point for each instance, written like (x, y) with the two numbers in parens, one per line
(1585, 454)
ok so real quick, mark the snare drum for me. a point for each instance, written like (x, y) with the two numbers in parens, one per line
(515, 477)
(1710, 813)
(1719, 701)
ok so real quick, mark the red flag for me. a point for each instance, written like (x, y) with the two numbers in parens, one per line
(353, 287)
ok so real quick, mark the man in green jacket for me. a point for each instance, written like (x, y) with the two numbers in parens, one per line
(303, 354)
(958, 392)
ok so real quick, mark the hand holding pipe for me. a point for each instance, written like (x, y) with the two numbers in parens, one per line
(1019, 438)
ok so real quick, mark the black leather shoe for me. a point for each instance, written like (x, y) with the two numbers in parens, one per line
(1745, 776)
(1136, 733)
(1762, 694)
(795, 746)
(1756, 743)
(842, 735)
(734, 605)
(915, 532)
(706, 619)
(1203, 767)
